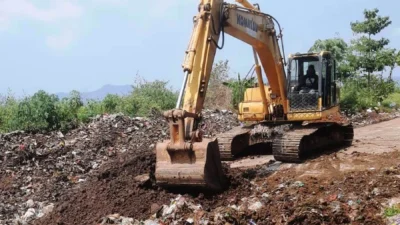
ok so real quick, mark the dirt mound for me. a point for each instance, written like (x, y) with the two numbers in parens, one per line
(113, 189)
(284, 198)
(41, 168)
(116, 189)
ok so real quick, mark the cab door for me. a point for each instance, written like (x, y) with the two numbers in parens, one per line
(329, 83)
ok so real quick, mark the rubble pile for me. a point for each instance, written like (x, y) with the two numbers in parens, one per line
(371, 117)
(218, 121)
(353, 198)
(42, 167)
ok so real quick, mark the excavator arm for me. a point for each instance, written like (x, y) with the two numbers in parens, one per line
(188, 159)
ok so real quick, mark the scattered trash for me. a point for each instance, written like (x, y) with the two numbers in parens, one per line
(298, 184)
(332, 197)
(251, 222)
(376, 191)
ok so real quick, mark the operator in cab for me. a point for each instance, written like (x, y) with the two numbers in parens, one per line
(309, 81)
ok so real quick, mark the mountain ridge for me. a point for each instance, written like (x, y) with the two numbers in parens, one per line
(101, 93)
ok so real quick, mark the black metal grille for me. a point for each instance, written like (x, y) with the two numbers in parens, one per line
(303, 101)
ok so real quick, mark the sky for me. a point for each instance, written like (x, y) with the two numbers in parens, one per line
(64, 45)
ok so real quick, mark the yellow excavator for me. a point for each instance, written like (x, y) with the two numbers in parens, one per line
(306, 98)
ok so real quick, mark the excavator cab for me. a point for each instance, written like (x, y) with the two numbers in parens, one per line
(311, 82)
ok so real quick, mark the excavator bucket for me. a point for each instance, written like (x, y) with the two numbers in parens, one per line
(198, 166)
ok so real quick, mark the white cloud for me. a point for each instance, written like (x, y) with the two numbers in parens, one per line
(58, 10)
(58, 13)
(61, 41)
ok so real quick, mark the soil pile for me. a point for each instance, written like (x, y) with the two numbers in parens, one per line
(37, 169)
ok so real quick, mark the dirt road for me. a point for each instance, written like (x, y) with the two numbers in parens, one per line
(369, 141)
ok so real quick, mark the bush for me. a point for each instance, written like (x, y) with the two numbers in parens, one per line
(238, 88)
(147, 96)
(356, 94)
(38, 113)
(8, 113)
(393, 101)
(91, 109)
(68, 111)
(110, 103)
(45, 112)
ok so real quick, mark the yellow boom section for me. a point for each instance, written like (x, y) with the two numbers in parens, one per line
(258, 30)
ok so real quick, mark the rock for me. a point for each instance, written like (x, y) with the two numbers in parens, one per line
(376, 191)
(154, 208)
(151, 222)
(127, 221)
(48, 209)
(265, 195)
(30, 203)
(255, 206)
(60, 135)
(29, 214)
(142, 178)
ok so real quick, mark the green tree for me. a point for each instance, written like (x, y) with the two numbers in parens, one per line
(394, 60)
(8, 113)
(218, 95)
(339, 49)
(238, 88)
(111, 102)
(68, 109)
(370, 55)
(337, 46)
(148, 96)
(39, 112)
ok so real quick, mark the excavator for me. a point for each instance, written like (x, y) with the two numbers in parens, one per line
(305, 97)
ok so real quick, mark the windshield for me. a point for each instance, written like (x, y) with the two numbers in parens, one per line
(304, 73)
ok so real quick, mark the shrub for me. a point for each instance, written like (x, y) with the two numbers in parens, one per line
(8, 113)
(68, 110)
(110, 103)
(356, 94)
(147, 96)
(38, 113)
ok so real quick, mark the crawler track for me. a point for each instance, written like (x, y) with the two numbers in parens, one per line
(233, 142)
(296, 145)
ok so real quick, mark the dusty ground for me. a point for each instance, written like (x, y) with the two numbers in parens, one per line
(350, 186)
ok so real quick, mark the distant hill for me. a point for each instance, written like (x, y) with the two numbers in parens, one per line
(102, 92)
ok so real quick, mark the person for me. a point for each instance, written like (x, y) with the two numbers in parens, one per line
(310, 80)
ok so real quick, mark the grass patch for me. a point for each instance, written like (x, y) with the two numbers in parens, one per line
(392, 211)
